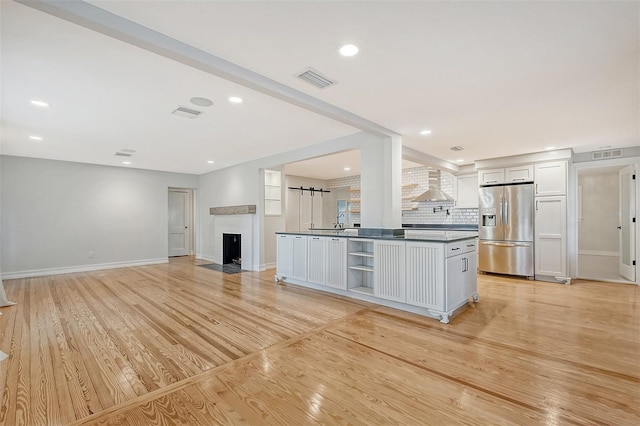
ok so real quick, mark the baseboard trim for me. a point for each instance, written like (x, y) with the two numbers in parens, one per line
(83, 268)
(599, 253)
(207, 258)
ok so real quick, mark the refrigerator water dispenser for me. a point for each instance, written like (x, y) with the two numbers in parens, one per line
(488, 220)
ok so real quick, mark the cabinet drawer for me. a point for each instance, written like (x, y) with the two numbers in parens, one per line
(459, 247)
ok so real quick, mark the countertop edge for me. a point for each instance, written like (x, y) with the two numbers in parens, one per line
(368, 237)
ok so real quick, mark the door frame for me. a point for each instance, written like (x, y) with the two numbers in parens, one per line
(191, 215)
(572, 207)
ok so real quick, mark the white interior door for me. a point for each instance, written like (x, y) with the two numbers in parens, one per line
(626, 225)
(179, 233)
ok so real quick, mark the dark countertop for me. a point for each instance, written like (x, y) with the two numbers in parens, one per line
(441, 226)
(437, 236)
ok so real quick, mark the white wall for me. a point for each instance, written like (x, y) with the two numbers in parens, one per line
(242, 184)
(55, 212)
(597, 232)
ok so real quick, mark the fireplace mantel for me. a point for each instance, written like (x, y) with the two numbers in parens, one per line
(244, 209)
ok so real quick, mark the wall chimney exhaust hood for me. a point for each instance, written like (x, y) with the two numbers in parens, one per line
(433, 194)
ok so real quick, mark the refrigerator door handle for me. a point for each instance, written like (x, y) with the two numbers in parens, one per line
(487, 243)
(506, 212)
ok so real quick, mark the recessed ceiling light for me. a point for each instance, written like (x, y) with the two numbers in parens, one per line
(203, 102)
(210, 161)
(35, 138)
(126, 162)
(346, 169)
(459, 160)
(425, 132)
(235, 100)
(349, 50)
(549, 148)
(38, 103)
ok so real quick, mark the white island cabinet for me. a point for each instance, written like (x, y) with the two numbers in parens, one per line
(432, 274)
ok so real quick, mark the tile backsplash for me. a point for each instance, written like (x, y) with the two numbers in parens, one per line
(415, 182)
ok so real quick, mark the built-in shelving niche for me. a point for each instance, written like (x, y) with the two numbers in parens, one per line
(360, 258)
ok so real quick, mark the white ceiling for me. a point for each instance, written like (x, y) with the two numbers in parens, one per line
(499, 78)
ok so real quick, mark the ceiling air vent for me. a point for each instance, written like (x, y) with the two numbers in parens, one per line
(457, 148)
(605, 155)
(186, 112)
(313, 77)
(123, 154)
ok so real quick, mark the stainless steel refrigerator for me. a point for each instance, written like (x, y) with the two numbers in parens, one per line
(505, 231)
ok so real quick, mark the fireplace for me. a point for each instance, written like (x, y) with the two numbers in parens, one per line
(231, 249)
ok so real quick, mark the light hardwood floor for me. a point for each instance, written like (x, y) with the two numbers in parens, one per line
(181, 344)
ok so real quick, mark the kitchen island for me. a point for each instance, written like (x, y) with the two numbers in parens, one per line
(430, 273)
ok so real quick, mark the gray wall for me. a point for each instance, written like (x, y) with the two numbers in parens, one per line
(54, 212)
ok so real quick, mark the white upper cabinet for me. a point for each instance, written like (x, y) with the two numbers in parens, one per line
(518, 174)
(489, 176)
(466, 192)
(551, 179)
(506, 175)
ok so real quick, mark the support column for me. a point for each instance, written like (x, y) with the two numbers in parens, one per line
(381, 183)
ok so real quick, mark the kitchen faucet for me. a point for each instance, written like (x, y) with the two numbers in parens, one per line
(338, 224)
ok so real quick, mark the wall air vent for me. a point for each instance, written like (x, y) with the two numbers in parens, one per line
(457, 148)
(314, 77)
(186, 112)
(605, 155)
(122, 154)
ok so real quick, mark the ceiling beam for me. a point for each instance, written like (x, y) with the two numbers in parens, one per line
(428, 160)
(112, 25)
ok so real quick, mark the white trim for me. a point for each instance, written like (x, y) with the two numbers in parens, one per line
(207, 258)
(83, 268)
(515, 160)
(599, 253)
(266, 266)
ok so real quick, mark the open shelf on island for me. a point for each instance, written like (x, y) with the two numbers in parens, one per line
(360, 277)
(362, 268)
(363, 290)
(361, 253)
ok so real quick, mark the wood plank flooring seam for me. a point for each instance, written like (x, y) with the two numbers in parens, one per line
(633, 379)
(458, 381)
(206, 375)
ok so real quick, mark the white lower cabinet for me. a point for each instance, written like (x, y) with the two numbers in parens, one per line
(440, 279)
(316, 262)
(292, 257)
(336, 263)
(283, 262)
(551, 236)
(461, 279)
(388, 266)
(425, 275)
(299, 257)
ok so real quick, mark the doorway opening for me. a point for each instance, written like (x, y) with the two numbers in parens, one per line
(232, 249)
(606, 233)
